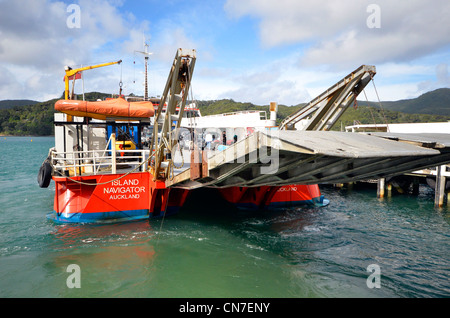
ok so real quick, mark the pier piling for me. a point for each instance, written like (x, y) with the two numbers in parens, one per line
(439, 193)
(381, 187)
(415, 186)
(389, 190)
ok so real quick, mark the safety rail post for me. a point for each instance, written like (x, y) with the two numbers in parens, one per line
(74, 164)
(113, 153)
(93, 160)
(144, 166)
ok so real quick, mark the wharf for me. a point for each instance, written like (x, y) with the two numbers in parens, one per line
(424, 135)
(286, 157)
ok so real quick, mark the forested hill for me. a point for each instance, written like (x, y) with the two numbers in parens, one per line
(37, 119)
(31, 120)
(362, 113)
(10, 103)
(433, 106)
(436, 102)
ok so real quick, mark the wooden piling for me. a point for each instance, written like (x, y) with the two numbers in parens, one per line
(381, 187)
(439, 193)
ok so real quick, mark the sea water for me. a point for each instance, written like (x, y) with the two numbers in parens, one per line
(357, 246)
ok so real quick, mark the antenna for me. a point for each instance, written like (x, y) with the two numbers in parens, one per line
(146, 55)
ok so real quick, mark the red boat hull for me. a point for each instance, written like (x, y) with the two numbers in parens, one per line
(106, 197)
(298, 194)
(274, 196)
(136, 196)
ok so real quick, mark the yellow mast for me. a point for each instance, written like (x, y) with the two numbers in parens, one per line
(71, 72)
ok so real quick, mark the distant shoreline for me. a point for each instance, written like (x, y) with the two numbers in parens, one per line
(4, 135)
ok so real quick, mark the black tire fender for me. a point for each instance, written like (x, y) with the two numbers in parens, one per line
(45, 174)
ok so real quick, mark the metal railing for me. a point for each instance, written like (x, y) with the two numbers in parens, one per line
(93, 162)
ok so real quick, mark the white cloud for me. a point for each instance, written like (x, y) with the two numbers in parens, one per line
(442, 79)
(274, 81)
(213, 72)
(336, 32)
(9, 86)
(169, 40)
(320, 42)
(35, 37)
(136, 38)
(282, 92)
(332, 38)
(293, 21)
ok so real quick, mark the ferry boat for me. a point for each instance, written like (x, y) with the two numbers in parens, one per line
(103, 162)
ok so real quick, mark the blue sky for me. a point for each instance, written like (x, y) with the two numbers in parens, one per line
(287, 51)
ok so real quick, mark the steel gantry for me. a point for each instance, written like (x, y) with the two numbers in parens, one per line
(323, 111)
(173, 100)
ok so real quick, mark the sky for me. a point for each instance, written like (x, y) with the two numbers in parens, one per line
(258, 51)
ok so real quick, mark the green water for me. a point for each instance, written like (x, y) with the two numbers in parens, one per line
(209, 250)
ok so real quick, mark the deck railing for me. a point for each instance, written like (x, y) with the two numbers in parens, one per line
(93, 162)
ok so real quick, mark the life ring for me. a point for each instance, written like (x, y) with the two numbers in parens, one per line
(45, 175)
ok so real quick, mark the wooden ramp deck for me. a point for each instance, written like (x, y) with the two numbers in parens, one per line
(284, 157)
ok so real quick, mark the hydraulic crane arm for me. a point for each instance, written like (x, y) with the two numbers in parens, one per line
(174, 95)
(323, 111)
(71, 72)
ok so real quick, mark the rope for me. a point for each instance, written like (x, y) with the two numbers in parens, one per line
(170, 174)
(160, 228)
(182, 157)
(171, 165)
(120, 83)
(101, 183)
(192, 120)
(379, 102)
(370, 109)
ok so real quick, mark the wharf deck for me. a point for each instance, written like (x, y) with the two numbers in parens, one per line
(284, 157)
